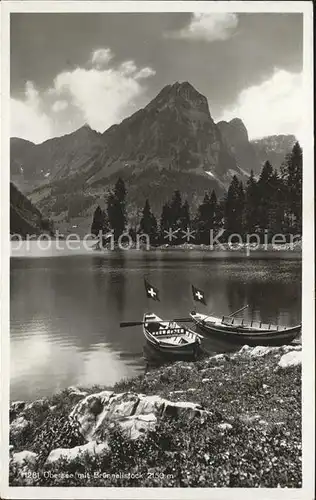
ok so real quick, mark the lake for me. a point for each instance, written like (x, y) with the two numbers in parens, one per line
(65, 310)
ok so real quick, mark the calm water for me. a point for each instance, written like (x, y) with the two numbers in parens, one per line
(65, 311)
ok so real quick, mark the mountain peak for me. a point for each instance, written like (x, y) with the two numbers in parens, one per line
(180, 86)
(180, 95)
(185, 90)
(85, 128)
(234, 131)
(85, 131)
(237, 122)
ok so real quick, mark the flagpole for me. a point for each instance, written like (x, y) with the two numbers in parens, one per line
(193, 301)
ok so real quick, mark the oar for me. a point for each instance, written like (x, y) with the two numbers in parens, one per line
(138, 323)
(239, 310)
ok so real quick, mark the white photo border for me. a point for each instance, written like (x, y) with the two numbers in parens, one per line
(308, 317)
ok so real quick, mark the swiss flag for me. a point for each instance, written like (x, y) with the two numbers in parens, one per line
(198, 295)
(151, 291)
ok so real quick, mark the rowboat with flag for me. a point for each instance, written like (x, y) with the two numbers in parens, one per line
(170, 337)
(167, 336)
(240, 331)
(246, 332)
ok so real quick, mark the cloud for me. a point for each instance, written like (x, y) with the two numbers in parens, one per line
(101, 57)
(145, 73)
(100, 96)
(103, 96)
(28, 120)
(128, 68)
(59, 106)
(208, 27)
(272, 107)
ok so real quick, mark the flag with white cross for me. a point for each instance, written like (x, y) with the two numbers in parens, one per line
(198, 295)
(151, 291)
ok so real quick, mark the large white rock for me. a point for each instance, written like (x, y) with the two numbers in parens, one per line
(95, 412)
(292, 347)
(244, 349)
(137, 426)
(292, 358)
(87, 412)
(17, 406)
(24, 457)
(122, 405)
(218, 358)
(225, 426)
(150, 404)
(25, 462)
(259, 351)
(92, 448)
(37, 404)
(75, 391)
(18, 425)
(186, 408)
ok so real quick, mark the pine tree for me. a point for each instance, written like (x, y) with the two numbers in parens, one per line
(292, 178)
(201, 219)
(99, 222)
(120, 190)
(184, 222)
(116, 209)
(207, 218)
(241, 208)
(148, 224)
(251, 202)
(176, 210)
(165, 222)
(219, 214)
(297, 159)
(276, 205)
(233, 211)
(265, 190)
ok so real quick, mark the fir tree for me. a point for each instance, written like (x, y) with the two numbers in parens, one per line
(165, 222)
(292, 178)
(148, 224)
(120, 190)
(265, 190)
(207, 218)
(241, 208)
(234, 207)
(276, 205)
(176, 210)
(99, 222)
(116, 209)
(251, 205)
(184, 222)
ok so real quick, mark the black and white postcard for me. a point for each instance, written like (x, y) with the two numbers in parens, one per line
(157, 250)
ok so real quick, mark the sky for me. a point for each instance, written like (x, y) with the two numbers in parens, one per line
(71, 69)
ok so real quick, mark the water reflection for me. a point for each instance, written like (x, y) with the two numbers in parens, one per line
(65, 312)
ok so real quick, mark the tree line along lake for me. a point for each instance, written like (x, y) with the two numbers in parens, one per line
(65, 310)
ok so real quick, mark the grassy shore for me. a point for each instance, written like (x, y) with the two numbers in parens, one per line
(248, 436)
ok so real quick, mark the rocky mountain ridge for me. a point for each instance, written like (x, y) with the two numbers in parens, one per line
(273, 148)
(25, 218)
(172, 143)
(252, 154)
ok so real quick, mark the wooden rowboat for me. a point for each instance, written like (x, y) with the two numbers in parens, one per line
(246, 332)
(169, 337)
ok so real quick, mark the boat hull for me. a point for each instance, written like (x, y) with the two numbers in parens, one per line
(191, 349)
(264, 338)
